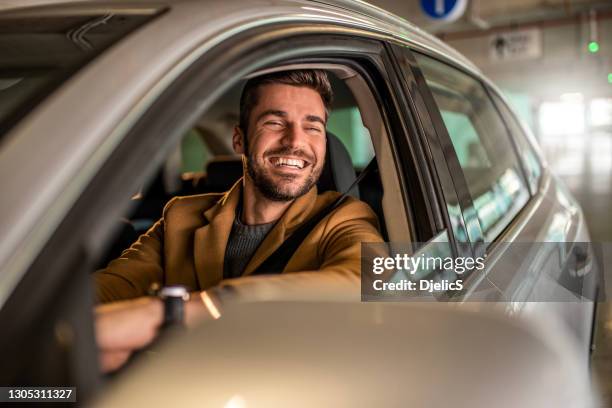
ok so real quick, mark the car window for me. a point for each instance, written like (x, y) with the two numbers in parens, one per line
(466, 141)
(41, 50)
(346, 123)
(195, 153)
(529, 158)
(481, 143)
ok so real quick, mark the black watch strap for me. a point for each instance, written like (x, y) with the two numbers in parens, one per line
(174, 298)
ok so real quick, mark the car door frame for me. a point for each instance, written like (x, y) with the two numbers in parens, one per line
(60, 270)
(567, 311)
(450, 183)
(433, 114)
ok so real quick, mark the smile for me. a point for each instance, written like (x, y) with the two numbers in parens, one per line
(288, 162)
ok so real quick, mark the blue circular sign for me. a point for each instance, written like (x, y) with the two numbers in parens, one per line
(444, 10)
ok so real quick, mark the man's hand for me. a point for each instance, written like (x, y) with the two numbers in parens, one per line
(126, 326)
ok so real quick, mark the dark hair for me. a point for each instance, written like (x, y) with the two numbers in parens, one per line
(310, 78)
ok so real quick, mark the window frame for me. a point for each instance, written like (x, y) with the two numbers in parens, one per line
(481, 246)
(446, 186)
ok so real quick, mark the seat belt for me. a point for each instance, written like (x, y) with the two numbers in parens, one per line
(277, 261)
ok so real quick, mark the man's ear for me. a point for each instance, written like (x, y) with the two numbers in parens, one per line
(238, 140)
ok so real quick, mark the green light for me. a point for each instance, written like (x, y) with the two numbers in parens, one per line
(610, 78)
(593, 47)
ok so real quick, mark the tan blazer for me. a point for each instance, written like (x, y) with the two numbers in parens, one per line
(187, 245)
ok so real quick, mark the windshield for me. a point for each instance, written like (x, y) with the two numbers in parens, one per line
(41, 48)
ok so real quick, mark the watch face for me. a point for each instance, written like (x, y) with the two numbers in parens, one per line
(174, 291)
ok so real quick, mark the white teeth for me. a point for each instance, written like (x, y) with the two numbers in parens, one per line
(281, 161)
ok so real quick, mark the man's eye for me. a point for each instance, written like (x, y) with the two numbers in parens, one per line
(314, 129)
(273, 124)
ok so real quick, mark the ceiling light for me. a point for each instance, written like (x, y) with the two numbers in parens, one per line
(593, 47)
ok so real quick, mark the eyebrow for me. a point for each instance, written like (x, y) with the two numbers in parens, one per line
(274, 112)
(283, 114)
(315, 118)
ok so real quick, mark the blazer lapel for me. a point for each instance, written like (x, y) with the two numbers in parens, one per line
(296, 214)
(210, 240)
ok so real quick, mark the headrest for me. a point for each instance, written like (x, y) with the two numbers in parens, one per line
(222, 172)
(338, 173)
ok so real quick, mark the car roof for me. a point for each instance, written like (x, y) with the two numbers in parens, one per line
(388, 22)
(70, 151)
(409, 31)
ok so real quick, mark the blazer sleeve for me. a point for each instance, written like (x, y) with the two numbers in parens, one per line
(132, 274)
(339, 275)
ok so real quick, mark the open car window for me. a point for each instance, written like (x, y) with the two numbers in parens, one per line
(205, 162)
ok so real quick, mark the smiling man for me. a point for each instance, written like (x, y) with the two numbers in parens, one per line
(214, 241)
(288, 138)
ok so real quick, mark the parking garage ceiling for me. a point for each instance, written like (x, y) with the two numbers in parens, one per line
(486, 14)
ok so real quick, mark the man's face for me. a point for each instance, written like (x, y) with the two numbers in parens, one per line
(286, 141)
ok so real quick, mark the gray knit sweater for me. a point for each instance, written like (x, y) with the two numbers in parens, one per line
(241, 245)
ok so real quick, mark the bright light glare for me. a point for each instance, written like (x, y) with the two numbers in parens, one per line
(601, 112)
(236, 402)
(210, 305)
(600, 161)
(562, 118)
(572, 97)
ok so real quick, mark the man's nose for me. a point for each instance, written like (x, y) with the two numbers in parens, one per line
(293, 136)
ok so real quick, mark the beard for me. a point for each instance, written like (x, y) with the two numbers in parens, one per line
(286, 189)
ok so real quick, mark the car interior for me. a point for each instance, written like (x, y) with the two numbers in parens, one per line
(205, 162)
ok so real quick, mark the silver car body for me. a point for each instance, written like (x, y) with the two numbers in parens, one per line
(68, 137)
(359, 355)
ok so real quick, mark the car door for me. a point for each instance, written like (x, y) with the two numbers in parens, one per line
(524, 231)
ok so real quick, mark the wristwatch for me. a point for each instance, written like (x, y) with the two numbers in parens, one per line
(174, 298)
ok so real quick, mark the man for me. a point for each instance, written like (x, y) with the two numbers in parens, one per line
(203, 240)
